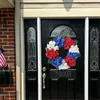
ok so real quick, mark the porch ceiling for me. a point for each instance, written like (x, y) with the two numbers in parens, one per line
(6, 3)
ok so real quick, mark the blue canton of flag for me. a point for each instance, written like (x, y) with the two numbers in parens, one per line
(3, 62)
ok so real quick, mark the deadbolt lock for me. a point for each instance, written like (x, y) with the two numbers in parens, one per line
(44, 69)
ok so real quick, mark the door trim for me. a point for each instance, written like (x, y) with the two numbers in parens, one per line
(86, 67)
(39, 59)
(17, 44)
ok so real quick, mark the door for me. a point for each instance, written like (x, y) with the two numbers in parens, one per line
(60, 83)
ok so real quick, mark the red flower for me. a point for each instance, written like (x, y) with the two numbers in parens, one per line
(68, 43)
(70, 62)
(51, 54)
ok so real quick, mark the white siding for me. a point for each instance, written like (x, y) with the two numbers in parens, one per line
(60, 8)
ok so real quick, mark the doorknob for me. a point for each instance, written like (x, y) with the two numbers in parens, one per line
(44, 76)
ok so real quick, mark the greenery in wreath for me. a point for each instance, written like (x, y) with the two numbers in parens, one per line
(72, 53)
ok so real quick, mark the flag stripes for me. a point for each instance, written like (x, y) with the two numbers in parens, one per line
(2, 60)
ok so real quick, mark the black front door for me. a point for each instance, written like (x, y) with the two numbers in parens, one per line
(60, 83)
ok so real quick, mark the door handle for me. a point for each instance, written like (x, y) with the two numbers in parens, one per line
(44, 77)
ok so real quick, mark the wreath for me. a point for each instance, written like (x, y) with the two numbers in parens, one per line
(72, 53)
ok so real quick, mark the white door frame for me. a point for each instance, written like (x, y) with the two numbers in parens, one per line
(86, 67)
(20, 63)
(39, 59)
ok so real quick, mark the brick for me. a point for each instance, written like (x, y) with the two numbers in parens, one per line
(3, 22)
(8, 26)
(3, 36)
(1, 97)
(3, 15)
(4, 29)
(11, 29)
(7, 97)
(10, 22)
(11, 36)
(8, 19)
(10, 89)
(11, 15)
(9, 32)
(3, 43)
(7, 42)
(8, 47)
(12, 92)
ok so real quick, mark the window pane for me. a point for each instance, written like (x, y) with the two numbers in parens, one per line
(31, 34)
(94, 48)
(63, 31)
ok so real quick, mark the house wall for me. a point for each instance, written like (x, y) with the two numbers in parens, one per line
(7, 42)
(60, 8)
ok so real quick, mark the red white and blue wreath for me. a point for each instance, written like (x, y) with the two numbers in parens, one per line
(72, 53)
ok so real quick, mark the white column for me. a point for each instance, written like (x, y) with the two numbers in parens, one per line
(23, 90)
(18, 52)
(39, 59)
(86, 71)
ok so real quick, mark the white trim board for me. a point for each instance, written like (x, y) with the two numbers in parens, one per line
(18, 52)
(86, 67)
(61, 13)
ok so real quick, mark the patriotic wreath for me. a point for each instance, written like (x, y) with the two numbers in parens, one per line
(72, 53)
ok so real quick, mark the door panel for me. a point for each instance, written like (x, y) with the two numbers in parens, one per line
(94, 54)
(31, 68)
(67, 84)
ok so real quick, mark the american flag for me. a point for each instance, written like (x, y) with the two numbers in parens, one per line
(3, 62)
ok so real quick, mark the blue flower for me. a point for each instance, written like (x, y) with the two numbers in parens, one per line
(56, 62)
(73, 55)
(59, 41)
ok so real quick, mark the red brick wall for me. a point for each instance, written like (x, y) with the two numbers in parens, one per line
(7, 42)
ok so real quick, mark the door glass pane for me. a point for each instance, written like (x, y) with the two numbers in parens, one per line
(63, 31)
(94, 48)
(31, 34)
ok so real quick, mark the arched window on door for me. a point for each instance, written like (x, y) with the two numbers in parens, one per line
(63, 31)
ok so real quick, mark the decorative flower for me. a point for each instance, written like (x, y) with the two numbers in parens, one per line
(68, 43)
(52, 54)
(74, 49)
(63, 66)
(56, 62)
(59, 41)
(73, 55)
(52, 42)
(71, 62)
(52, 45)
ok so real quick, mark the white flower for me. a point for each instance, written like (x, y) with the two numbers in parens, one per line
(56, 48)
(52, 45)
(74, 49)
(63, 66)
